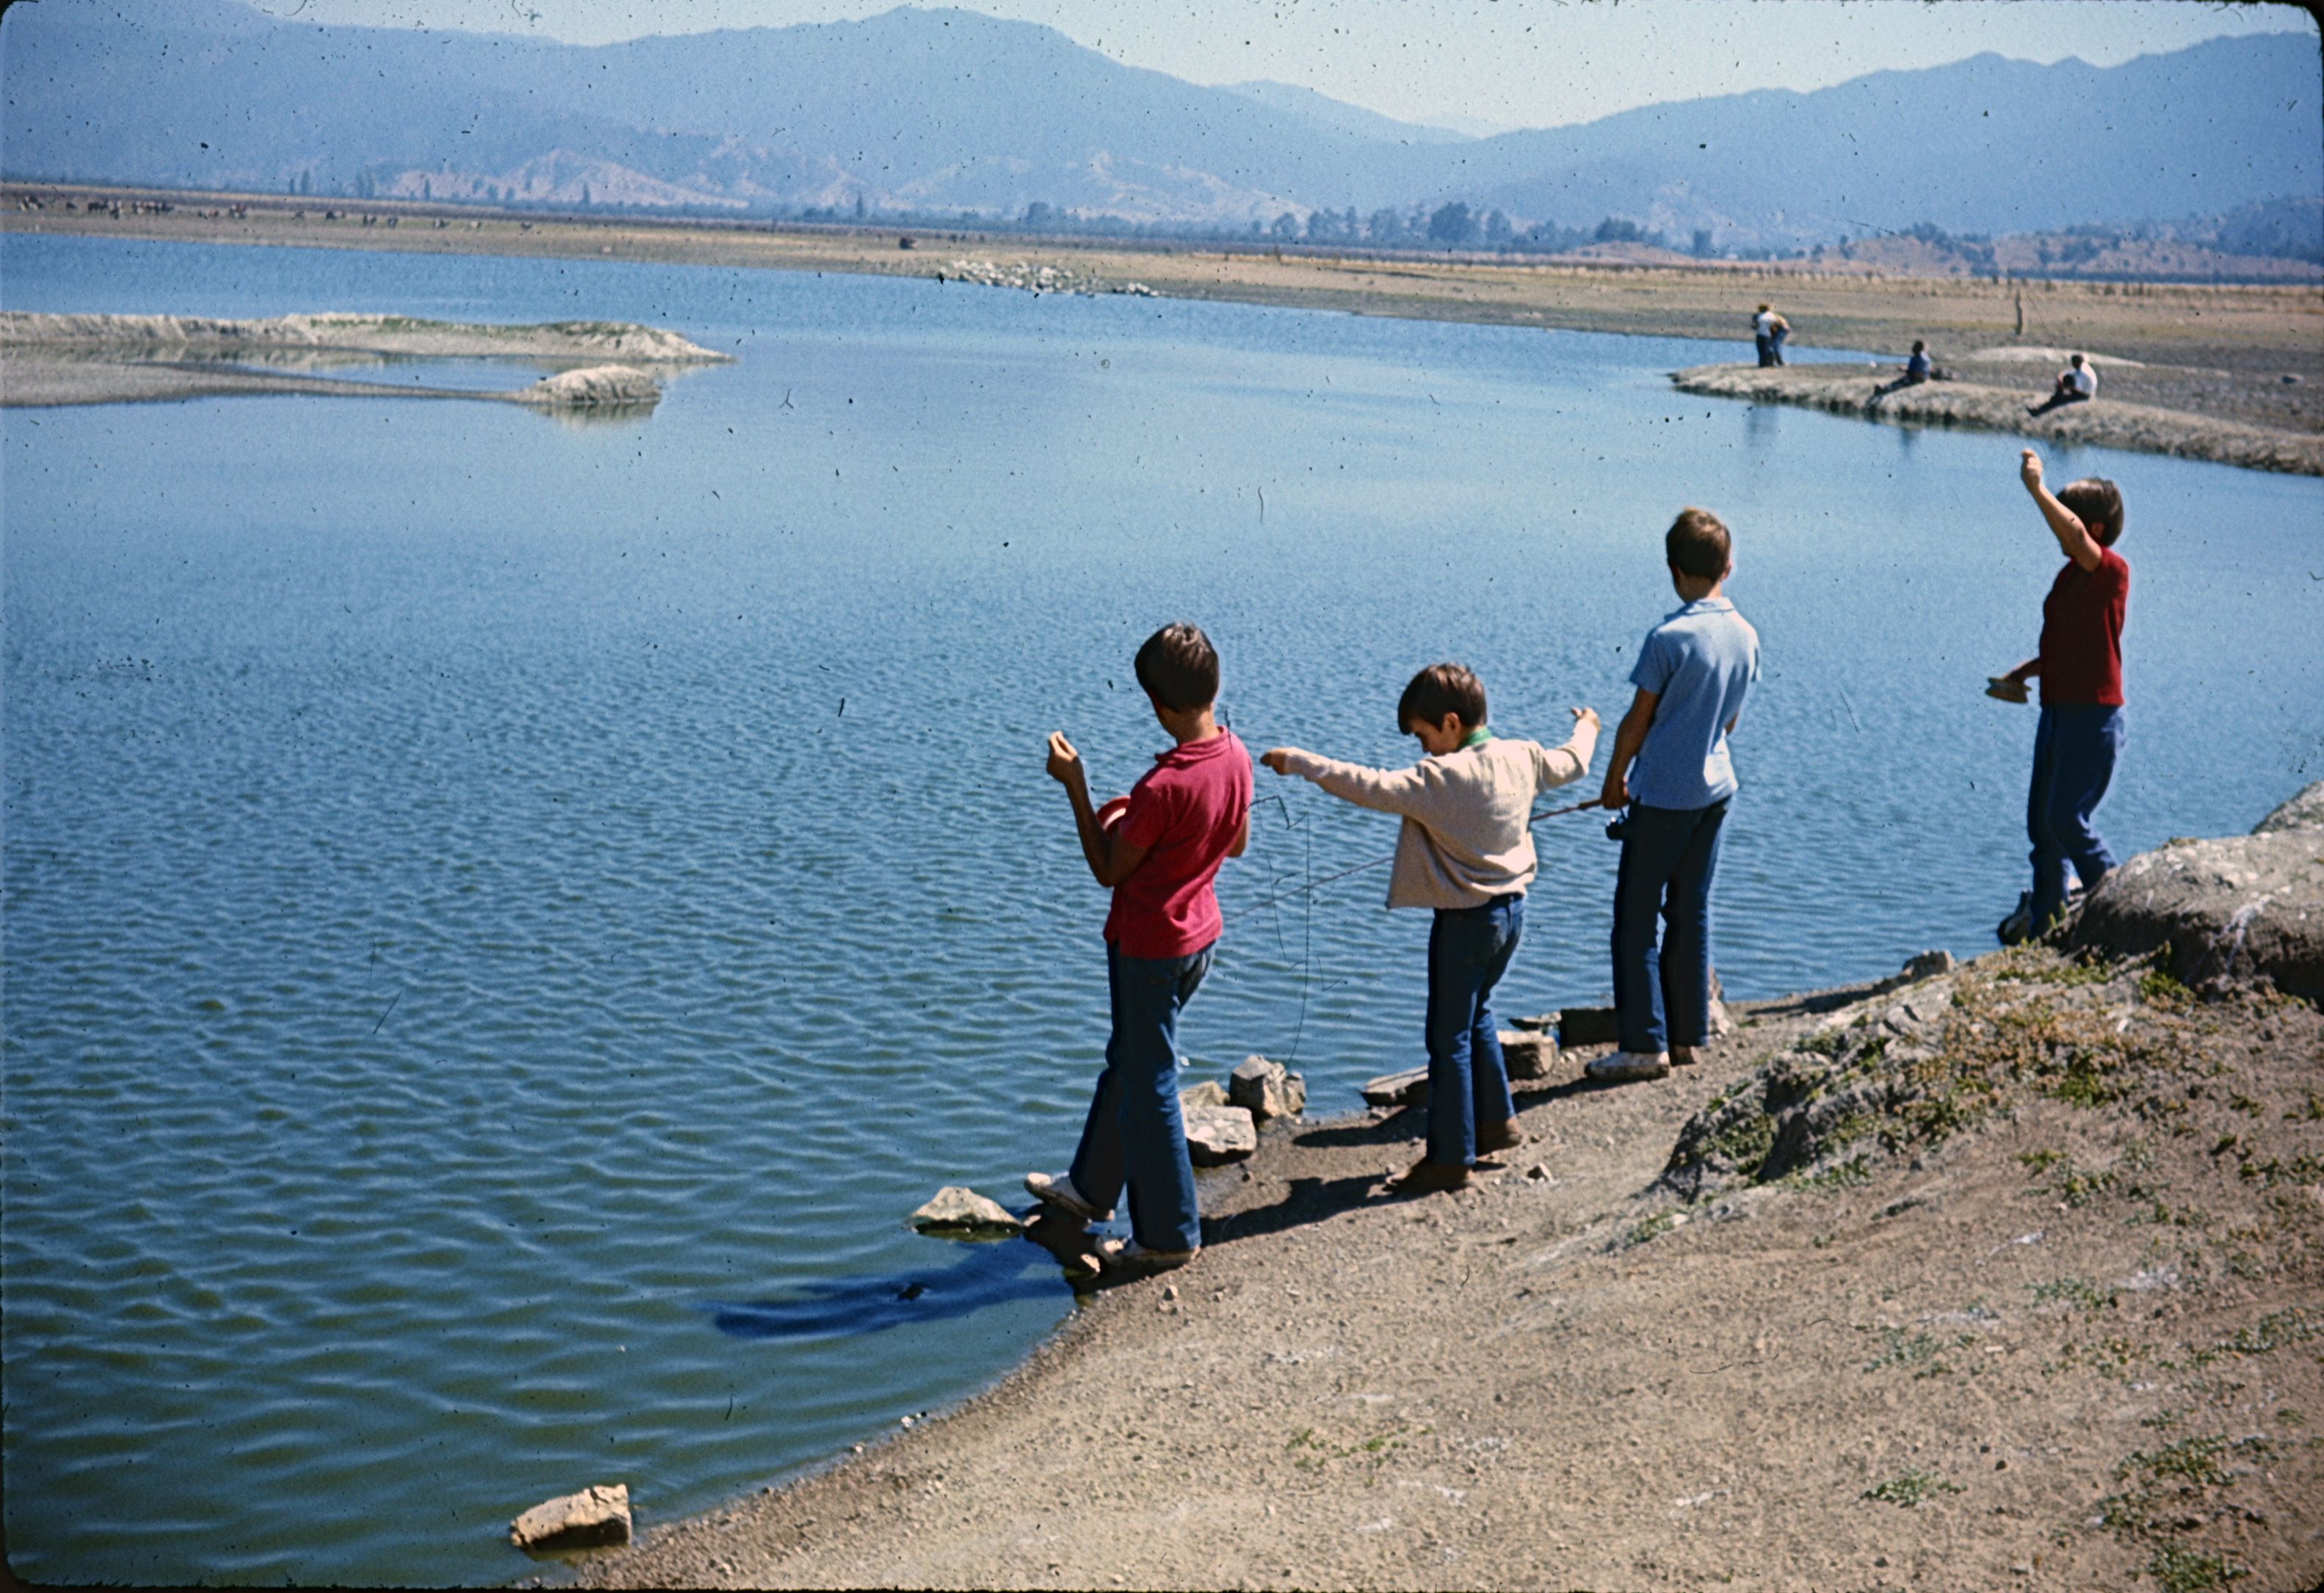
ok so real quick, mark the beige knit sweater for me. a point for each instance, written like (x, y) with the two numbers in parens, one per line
(1465, 838)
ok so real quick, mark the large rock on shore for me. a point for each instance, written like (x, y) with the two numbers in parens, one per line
(1266, 1089)
(594, 1516)
(2229, 909)
(1219, 1134)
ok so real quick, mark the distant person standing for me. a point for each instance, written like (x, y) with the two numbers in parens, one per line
(2077, 383)
(2080, 735)
(1768, 331)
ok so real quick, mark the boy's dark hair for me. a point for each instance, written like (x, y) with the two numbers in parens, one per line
(1697, 545)
(1179, 668)
(1438, 690)
(2096, 502)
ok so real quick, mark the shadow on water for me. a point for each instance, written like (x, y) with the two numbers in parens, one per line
(988, 1274)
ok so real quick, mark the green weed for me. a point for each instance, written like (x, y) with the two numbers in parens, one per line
(1908, 1489)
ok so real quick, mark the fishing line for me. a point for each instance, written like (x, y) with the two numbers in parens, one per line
(1306, 891)
(1315, 885)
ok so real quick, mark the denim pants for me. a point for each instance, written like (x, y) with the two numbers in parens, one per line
(1669, 855)
(1468, 949)
(2074, 750)
(1135, 1132)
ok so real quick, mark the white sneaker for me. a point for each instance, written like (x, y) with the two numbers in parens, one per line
(1056, 1189)
(1625, 1067)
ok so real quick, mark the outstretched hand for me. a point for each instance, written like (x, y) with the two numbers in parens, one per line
(2029, 469)
(1278, 758)
(1588, 716)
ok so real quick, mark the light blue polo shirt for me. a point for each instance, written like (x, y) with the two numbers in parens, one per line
(1701, 661)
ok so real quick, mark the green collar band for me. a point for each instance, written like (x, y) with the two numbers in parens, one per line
(1477, 737)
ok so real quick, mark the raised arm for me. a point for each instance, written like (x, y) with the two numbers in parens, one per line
(1110, 859)
(2074, 537)
(1560, 766)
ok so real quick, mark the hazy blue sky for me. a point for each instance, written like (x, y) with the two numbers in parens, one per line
(1506, 62)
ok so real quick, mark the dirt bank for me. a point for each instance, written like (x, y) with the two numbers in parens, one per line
(2009, 1277)
(2219, 351)
(95, 359)
(2106, 422)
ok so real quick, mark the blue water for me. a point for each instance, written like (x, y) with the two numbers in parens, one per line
(504, 919)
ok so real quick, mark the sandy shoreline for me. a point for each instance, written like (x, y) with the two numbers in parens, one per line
(2106, 422)
(2003, 1276)
(2215, 352)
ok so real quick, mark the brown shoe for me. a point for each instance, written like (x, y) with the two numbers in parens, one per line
(1502, 1135)
(1427, 1177)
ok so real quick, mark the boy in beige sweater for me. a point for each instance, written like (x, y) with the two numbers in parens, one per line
(1466, 849)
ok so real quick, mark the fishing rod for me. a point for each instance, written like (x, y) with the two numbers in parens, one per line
(1315, 885)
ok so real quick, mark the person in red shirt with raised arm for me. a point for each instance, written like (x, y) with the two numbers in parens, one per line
(1158, 849)
(2080, 731)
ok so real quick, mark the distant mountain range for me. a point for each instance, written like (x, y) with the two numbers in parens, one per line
(941, 111)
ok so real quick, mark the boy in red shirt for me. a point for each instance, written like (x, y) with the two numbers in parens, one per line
(2081, 665)
(1157, 848)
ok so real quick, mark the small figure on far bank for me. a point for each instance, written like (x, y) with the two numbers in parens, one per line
(2079, 734)
(2077, 383)
(1768, 330)
(1672, 772)
(1917, 370)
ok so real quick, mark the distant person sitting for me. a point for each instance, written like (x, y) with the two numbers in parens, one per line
(2077, 382)
(1917, 370)
(1768, 331)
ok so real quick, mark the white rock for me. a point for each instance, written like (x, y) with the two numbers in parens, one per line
(594, 1516)
(1219, 1134)
(957, 1208)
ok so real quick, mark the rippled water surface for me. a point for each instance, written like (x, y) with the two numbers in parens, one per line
(503, 919)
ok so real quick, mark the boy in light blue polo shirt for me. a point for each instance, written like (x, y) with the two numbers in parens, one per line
(1672, 771)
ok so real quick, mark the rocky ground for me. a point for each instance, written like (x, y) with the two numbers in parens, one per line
(2006, 1276)
(1992, 395)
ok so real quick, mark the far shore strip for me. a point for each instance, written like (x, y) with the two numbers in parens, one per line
(48, 360)
(1848, 389)
(2242, 354)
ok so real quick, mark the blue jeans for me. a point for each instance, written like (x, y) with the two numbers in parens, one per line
(1669, 855)
(2074, 750)
(1135, 1132)
(1468, 949)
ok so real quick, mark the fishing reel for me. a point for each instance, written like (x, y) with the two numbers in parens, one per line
(1618, 827)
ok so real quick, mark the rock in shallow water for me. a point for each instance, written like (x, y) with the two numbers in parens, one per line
(594, 1516)
(959, 1210)
(621, 386)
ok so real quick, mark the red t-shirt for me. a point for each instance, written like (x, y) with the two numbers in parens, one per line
(2081, 633)
(1186, 812)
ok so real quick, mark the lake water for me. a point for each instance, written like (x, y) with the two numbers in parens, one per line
(504, 918)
